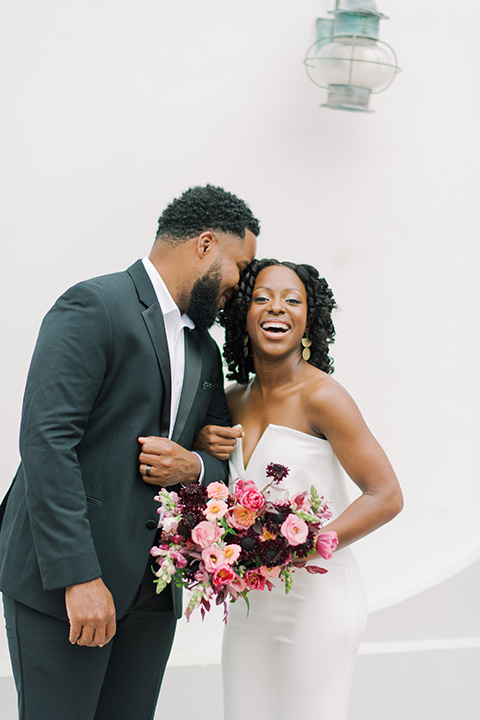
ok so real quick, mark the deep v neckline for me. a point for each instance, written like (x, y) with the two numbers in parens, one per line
(245, 467)
(272, 425)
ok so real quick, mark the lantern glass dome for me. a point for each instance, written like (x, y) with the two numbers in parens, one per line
(352, 61)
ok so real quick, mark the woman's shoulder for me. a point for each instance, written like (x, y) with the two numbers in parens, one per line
(235, 389)
(236, 394)
(323, 394)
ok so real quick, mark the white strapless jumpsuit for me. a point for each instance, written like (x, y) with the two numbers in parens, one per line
(293, 656)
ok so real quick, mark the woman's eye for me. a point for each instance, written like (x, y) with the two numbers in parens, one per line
(293, 301)
(260, 298)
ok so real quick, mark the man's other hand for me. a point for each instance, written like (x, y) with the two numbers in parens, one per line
(91, 613)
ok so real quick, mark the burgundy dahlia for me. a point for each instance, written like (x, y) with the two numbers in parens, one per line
(249, 543)
(191, 517)
(275, 515)
(273, 552)
(193, 495)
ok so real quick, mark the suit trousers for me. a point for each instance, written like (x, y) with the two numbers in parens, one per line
(59, 681)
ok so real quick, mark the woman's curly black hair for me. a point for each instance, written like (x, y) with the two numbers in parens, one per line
(233, 318)
(205, 208)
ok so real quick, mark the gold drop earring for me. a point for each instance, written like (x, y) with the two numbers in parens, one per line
(306, 343)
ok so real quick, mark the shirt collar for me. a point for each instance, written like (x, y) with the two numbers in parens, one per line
(165, 300)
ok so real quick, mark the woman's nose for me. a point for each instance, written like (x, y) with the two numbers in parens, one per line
(276, 306)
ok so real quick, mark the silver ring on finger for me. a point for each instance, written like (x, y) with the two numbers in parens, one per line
(147, 471)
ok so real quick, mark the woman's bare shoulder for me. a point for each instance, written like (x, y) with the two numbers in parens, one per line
(326, 399)
(235, 390)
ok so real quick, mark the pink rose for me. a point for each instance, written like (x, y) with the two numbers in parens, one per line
(217, 491)
(294, 529)
(206, 533)
(254, 579)
(223, 576)
(326, 544)
(213, 558)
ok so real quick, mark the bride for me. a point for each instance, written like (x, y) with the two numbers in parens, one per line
(293, 655)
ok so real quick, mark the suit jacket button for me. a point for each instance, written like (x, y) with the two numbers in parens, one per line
(150, 524)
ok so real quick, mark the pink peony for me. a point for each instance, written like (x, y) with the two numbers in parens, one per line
(254, 579)
(241, 487)
(217, 491)
(213, 558)
(294, 529)
(326, 544)
(223, 576)
(215, 509)
(206, 533)
(253, 499)
(248, 495)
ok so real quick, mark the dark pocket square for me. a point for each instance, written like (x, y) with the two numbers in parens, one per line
(208, 385)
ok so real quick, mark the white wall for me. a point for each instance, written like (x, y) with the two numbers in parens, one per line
(110, 109)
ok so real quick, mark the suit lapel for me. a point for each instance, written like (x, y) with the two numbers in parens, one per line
(191, 380)
(153, 318)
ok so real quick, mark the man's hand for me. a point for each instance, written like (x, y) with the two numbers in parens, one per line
(91, 613)
(217, 440)
(163, 462)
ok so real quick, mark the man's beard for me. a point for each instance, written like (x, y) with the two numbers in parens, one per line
(203, 303)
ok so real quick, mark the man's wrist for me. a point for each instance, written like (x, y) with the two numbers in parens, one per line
(201, 469)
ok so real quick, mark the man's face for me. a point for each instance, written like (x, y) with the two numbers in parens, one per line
(210, 291)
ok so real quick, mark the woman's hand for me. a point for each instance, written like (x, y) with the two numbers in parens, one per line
(217, 440)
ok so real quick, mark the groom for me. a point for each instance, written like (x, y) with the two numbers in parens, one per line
(123, 365)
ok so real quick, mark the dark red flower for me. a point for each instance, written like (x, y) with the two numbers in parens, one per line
(276, 471)
(248, 541)
(191, 517)
(193, 495)
(274, 552)
(275, 515)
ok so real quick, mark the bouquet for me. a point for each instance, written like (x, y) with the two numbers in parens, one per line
(221, 544)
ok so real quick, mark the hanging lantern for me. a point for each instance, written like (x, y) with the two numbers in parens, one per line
(348, 59)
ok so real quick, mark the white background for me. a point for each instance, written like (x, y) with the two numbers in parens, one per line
(112, 108)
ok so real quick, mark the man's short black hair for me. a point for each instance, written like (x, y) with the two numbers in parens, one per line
(206, 208)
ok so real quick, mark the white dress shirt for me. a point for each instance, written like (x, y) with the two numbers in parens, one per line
(175, 323)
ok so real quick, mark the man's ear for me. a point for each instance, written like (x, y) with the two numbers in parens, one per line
(205, 243)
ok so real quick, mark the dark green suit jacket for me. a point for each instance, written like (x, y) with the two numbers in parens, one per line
(99, 378)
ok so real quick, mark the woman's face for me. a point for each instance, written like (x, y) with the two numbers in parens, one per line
(277, 317)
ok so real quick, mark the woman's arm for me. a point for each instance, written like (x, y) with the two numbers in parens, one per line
(338, 418)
